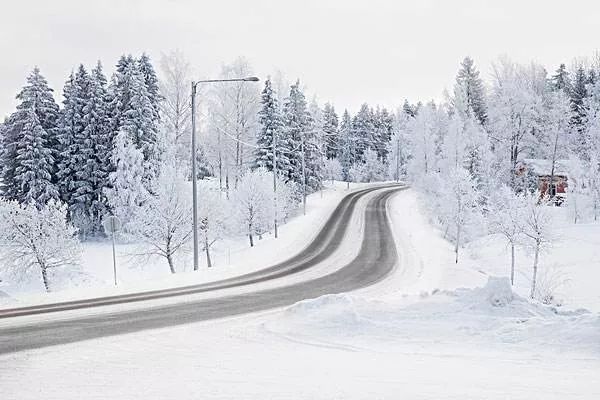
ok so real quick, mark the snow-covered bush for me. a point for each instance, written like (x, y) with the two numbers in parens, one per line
(163, 223)
(551, 280)
(39, 238)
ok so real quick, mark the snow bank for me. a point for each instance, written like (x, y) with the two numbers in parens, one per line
(491, 315)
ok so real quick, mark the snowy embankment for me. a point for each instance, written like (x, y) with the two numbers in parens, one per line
(231, 257)
(415, 335)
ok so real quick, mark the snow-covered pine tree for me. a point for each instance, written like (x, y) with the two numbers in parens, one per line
(384, 126)
(139, 122)
(29, 144)
(71, 155)
(330, 131)
(296, 120)
(409, 109)
(363, 131)
(271, 125)
(314, 148)
(347, 146)
(152, 86)
(132, 110)
(88, 201)
(469, 87)
(561, 80)
(578, 94)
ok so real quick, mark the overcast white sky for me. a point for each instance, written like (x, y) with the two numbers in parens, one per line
(346, 51)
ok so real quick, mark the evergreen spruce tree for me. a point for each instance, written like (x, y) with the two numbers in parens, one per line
(29, 144)
(347, 150)
(330, 131)
(151, 81)
(384, 126)
(578, 95)
(561, 80)
(133, 109)
(71, 155)
(363, 131)
(271, 125)
(88, 200)
(296, 124)
(409, 109)
(469, 88)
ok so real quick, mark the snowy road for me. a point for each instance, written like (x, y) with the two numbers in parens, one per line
(375, 261)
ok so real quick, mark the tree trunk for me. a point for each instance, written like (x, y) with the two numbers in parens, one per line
(535, 268)
(512, 264)
(250, 235)
(170, 261)
(45, 278)
(457, 242)
(207, 250)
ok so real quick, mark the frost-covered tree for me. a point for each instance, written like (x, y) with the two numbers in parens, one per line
(578, 95)
(347, 147)
(561, 80)
(29, 145)
(333, 169)
(163, 221)
(37, 237)
(537, 229)
(330, 131)
(363, 131)
(297, 123)
(371, 169)
(252, 200)
(88, 203)
(514, 115)
(152, 84)
(213, 220)
(458, 202)
(133, 110)
(176, 104)
(253, 206)
(270, 140)
(470, 91)
(126, 193)
(232, 112)
(506, 217)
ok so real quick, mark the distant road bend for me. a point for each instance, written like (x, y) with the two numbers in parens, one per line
(374, 262)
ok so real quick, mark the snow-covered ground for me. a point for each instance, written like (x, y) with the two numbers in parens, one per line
(433, 330)
(231, 257)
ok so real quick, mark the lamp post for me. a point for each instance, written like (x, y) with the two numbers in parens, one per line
(194, 168)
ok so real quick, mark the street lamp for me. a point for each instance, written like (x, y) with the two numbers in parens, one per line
(194, 172)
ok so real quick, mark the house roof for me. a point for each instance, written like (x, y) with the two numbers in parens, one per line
(544, 167)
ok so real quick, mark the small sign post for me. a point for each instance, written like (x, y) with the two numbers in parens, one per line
(112, 225)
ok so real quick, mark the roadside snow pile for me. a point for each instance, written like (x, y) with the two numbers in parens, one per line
(333, 313)
(490, 316)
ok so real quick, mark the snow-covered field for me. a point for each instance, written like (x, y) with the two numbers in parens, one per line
(417, 335)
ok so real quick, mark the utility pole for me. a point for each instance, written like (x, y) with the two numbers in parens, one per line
(397, 157)
(303, 177)
(194, 167)
(274, 144)
(194, 179)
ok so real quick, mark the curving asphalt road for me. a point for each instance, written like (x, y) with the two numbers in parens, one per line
(374, 262)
